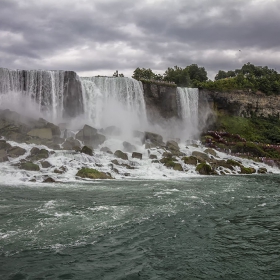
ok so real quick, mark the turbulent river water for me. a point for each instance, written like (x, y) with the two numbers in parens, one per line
(220, 227)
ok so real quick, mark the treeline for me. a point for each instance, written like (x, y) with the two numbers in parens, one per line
(190, 76)
(249, 77)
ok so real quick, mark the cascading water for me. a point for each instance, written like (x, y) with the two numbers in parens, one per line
(37, 90)
(187, 100)
(114, 101)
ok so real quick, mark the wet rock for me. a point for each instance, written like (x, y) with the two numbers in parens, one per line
(153, 157)
(42, 133)
(247, 170)
(172, 146)
(106, 150)
(90, 136)
(30, 166)
(200, 156)
(71, 144)
(211, 152)
(128, 147)
(205, 169)
(49, 180)
(121, 155)
(154, 139)
(37, 154)
(4, 145)
(16, 152)
(3, 156)
(262, 170)
(137, 155)
(87, 150)
(92, 174)
(155, 161)
(190, 160)
(45, 164)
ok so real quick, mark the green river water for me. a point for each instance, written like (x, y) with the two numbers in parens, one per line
(221, 227)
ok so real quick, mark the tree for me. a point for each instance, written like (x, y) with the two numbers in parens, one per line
(197, 73)
(143, 73)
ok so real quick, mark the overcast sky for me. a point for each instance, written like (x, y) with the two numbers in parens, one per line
(95, 37)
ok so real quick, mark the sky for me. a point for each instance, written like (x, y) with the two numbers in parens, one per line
(97, 37)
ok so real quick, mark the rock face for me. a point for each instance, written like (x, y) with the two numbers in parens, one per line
(242, 103)
(160, 101)
(90, 136)
(72, 95)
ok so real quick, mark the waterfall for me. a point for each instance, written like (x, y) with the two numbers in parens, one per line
(42, 89)
(187, 100)
(117, 101)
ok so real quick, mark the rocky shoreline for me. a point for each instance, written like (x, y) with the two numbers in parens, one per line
(48, 139)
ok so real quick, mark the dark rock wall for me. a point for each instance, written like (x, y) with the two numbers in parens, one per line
(161, 101)
(72, 95)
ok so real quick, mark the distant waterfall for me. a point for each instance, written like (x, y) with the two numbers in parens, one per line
(43, 89)
(187, 100)
(115, 101)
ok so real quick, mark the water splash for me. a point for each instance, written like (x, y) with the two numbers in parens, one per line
(117, 101)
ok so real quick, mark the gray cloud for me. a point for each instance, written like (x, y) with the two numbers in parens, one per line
(101, 36)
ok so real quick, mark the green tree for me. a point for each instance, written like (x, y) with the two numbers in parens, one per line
(143, 73)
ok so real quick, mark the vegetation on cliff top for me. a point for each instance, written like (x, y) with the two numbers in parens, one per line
(248, 77)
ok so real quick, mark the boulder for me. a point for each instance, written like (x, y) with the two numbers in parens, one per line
(153, 157)
(137, 155)
(262, 170)
(247, 170)
(37, 154)
(154, 139)
(16, 152)
(4, 145)
(90, 136)
(45, 164)
(204, 169)
(121, 155)
(30, 166)
(211, 152)
(87, 150)
(172, 146)
(71, 144)
(200, 156)
(49, 180)
(60, 170)
(190, 160)
(3, 155)
(43, 133)
(92, 174)
(106, 150)
(128, 147)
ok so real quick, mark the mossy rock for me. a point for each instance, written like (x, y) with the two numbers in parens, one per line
(262, 170)
(30, 166)
(37, 154)
(233, 162)
(204, 169)
(210, 152)
(92, 174)
(247, 170)
(202, 157)
(87, 150)
(178, 167)
(190, 160)
(121, 155)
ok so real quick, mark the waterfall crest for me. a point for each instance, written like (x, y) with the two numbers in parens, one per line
(114, 101)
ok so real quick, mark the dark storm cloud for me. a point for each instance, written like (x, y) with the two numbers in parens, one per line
(91, 36)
